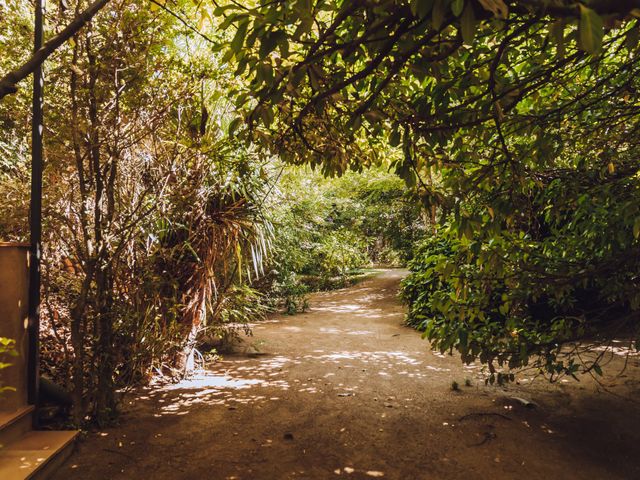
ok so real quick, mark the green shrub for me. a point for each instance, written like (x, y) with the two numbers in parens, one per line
(513, 301)
(291, 293)
(340, 252)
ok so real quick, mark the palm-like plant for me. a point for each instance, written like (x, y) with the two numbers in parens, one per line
(216, 239)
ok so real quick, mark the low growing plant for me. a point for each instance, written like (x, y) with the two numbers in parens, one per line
(7, 348)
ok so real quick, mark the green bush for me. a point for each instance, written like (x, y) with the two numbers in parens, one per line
(290, 292)
(339, 252)
(325, 228)
(453, 312)
(514, 299)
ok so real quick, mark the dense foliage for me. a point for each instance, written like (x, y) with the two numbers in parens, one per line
(160, 231)
(326, 229)
(152, 215)
(516, 123)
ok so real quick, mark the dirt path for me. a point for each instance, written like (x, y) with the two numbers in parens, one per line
(345, 391)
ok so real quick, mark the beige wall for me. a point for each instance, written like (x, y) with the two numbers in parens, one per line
(14, 286)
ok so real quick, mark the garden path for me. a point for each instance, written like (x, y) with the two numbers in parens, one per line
(346, 391)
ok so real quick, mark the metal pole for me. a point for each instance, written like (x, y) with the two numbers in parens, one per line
(35, 218)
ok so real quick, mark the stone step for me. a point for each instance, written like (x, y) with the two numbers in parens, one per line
(36, 454)
(14, 424)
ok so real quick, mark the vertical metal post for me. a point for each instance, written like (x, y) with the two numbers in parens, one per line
(35, 217)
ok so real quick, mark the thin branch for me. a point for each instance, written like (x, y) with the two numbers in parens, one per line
(183, 21)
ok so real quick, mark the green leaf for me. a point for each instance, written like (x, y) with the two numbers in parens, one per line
(270, 41)
(413, 6)
(468, 24)
(266, 114)
(235, 123)
(220, 11)
(303, 28)
(438, 13)
(239, 37)
(591, 30)
(421, 8)
(228, 55)
(303, 8)
(394, 138)
(457, 6)
(631, 38)
(497, 7)
(313, 79)
(636, 228)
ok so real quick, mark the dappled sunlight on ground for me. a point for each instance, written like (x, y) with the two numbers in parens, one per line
(206, 380)
(345, 391)
(359, 309)
(337, 331)
(350, 470)
(225, 385)
(243, 380)
(621, 348)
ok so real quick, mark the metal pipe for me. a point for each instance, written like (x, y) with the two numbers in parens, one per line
(35, 217)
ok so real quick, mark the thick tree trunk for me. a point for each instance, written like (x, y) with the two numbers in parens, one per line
(185, 361)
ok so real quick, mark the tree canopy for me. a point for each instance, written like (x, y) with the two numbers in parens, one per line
(418, 74)
(516, 121)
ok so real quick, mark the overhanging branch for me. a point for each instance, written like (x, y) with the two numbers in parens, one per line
(9, 83)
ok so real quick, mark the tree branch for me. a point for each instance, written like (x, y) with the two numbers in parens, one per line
(8, 83)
